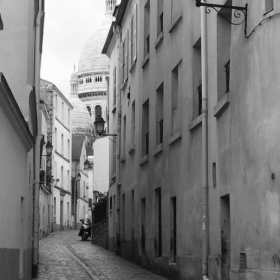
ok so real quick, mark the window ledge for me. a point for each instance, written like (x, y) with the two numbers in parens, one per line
(146, 60)
(114, 109)
(222, 105)
(124, 84)
(132, 66)
(268, 11)
(175, 137)
(123, 159)
(196, 122)
(144, 160)
(176, 20)
(159, 40)
(131, 149)
(158, 149)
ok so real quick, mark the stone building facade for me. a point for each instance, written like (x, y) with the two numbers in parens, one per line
(21, 37)
(193, 174)
(60, 135)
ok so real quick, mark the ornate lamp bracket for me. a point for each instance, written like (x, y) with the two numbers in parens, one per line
(239, 12)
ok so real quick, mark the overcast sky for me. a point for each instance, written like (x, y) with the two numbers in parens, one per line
(68, 26)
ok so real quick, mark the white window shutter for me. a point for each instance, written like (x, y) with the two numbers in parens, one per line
(135, 26)
(131, 54)
(127, 53)
(121, 62)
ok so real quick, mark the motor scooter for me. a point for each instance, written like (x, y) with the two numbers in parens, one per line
(85, 230)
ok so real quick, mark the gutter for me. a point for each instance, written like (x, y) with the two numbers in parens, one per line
(117, 31)
(37, 154)
(205, 210)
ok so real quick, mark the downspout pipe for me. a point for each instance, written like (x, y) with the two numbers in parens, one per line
(205, 214)
(117, 32)
(35, 252)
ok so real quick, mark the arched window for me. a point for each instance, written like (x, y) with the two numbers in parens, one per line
(81, 81)
(98, 79)
(98, 111)
(88, 80)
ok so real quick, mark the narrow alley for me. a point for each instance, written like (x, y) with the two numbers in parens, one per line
(64, 256)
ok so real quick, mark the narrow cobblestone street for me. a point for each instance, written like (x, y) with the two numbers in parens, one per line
(64, 256)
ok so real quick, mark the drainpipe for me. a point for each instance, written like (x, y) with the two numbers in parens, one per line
(205, 214)
(117, 32)
(39, 16)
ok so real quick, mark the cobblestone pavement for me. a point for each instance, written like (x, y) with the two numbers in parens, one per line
(63, 256)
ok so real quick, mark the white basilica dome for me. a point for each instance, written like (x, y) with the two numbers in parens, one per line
(91, 59)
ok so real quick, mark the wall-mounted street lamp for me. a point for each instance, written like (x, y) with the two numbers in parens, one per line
(86, 164)
(239, 12)
(78, 177)
(99, 125)
(49, 148)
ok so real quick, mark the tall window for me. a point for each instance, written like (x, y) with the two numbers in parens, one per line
(56, 102)
(147, 28)
(68, 181)
(68, 213)
(68, 149)
(54, 209)
(175, 98)
(55, 138)
(159, 115)
(124, 58)
(61, 177)
(62, 110)
(62, 144)
(133, 36)
(133, 124)
(114, 156)
(68, 116)
(98, 111)
(224, 49)
(197, 80)
(176, 8)
(126, 55)
(114, 86)
(159, 17)
(55, 170)
(145, 128)
(124, 136)
(268, 5)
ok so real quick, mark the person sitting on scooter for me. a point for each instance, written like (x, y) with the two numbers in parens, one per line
(86, 221)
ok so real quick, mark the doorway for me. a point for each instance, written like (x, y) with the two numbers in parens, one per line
(158, 243)
(225, 236)
(61, 215)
